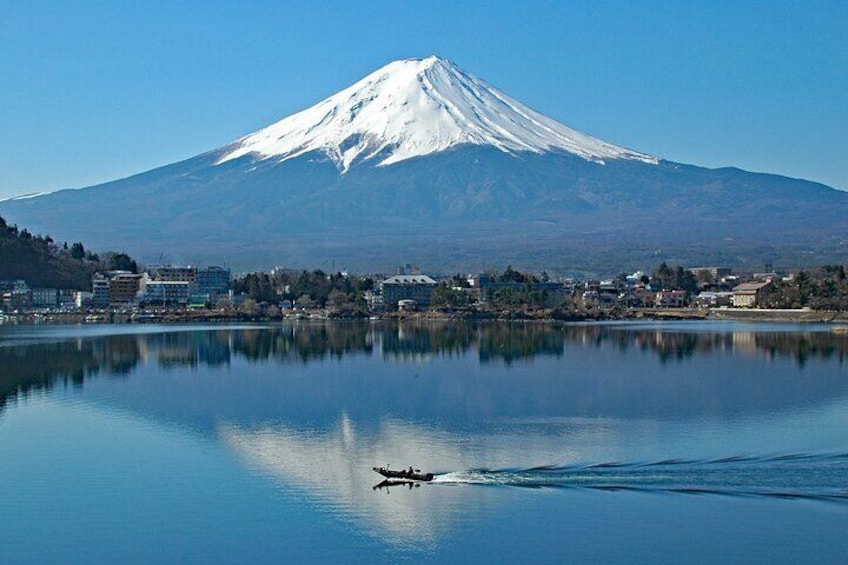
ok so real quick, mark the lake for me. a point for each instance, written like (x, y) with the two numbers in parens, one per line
(695, 442)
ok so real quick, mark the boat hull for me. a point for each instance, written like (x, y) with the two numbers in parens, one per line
(405, 474)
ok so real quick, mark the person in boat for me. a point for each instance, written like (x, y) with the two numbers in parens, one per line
(410, 472)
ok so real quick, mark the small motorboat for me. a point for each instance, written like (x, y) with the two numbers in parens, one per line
(405, 474)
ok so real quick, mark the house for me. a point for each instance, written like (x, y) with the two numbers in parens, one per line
(670, 299)
(751, 294)
(713, 299)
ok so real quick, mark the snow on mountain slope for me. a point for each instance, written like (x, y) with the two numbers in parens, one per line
(417, 107)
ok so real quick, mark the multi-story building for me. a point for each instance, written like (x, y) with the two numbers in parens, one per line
(100, 291)
(750, 294)
(15, 295)
(213, 280)
(711, 273)
(166, 293)
(123, 288)
(407, 287)
(115, 288)
(45, 297)
(172, 273)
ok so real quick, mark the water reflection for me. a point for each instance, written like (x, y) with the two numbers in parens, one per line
(38, 362)
(334, 467)
(316, 406)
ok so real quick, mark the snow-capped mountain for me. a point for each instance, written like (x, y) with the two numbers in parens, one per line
(421, 162)
(413, 108)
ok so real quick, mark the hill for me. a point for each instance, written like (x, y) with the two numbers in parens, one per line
(40, 262)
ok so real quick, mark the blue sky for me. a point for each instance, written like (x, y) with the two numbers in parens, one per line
(92, 91)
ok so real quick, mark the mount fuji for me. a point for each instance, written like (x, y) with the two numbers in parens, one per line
(422, 162)
(415, 108)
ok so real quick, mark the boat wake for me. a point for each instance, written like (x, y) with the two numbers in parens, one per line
(790, 476)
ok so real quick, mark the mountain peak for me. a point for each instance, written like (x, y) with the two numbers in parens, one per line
(416, 107)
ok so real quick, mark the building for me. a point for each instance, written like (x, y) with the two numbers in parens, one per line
(123, 288)
(100, 291)
(171, 273)
(166, 293)
(710, 273)
(213, 281)
(407, 287)
(83, 299)
(45, 297)
(15, 295)
(713, 299)
(751, 294)
(670, 299)
(115, 288)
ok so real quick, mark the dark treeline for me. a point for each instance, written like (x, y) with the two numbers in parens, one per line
(42, 262)
(308, 289)
(825, 288)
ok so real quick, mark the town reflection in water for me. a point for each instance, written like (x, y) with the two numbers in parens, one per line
(38, 363)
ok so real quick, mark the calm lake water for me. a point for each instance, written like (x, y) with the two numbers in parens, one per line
(619, 443)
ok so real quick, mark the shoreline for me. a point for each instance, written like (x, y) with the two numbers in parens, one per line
(801, 316)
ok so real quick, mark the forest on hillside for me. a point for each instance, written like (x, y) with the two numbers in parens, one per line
(42, 262)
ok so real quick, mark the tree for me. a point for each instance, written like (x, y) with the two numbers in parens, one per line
(663, 277)
(511, 275)
(678, 278)
(802, 282)
(444, 295)
(249, 307)
(273, 312)
(77, 250)
(120, 262)
(257, 286)
(685, 280)
(337, 298)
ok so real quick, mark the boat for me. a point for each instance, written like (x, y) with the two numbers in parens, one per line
(406, 474)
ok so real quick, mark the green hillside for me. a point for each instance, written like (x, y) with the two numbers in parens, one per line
(41, 262)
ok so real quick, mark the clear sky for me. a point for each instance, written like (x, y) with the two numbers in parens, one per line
(91, 91)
